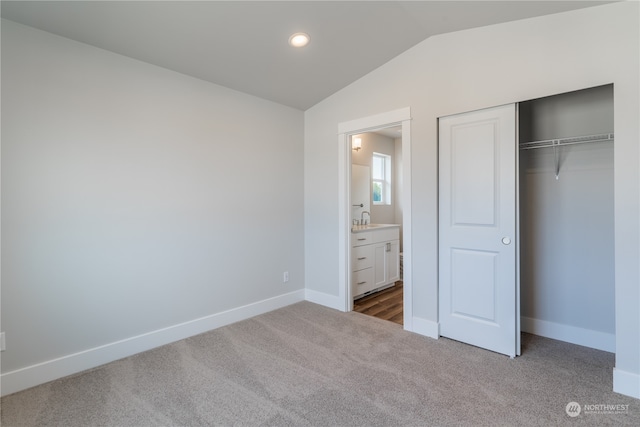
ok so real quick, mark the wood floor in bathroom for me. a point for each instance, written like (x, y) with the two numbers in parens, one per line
(386, 304)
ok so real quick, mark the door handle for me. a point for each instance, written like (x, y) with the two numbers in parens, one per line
(506, 241)
(388, 247)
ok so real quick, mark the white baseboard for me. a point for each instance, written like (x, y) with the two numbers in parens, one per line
(425, 327)
(50, 370)
(585, 337)
(326, 300)
(626, 383)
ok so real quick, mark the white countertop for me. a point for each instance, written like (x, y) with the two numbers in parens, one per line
(370, 227)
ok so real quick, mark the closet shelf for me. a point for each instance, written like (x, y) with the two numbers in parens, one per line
(555, 143)
(566, 141)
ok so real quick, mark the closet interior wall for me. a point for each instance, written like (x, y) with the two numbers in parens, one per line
(567, 224)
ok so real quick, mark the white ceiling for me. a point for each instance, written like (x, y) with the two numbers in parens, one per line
(243, 44)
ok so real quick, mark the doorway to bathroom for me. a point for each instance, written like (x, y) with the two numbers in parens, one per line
(376, 219)
(396, 126)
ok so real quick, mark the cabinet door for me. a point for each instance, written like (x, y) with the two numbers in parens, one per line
(380, 264)
(393, 261)
(387, 262)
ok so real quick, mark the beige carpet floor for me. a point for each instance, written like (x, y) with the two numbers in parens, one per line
(307, 365)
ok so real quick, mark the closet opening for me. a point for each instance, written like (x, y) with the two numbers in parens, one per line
(566, 217)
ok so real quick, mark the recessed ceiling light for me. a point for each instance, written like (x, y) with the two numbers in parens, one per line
(299, 39)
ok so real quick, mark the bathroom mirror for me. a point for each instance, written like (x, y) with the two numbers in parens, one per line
(360, 191)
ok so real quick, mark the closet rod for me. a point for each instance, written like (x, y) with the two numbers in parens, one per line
(566, 141)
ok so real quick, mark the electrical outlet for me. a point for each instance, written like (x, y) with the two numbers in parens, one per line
(2, 343)
(285, 277)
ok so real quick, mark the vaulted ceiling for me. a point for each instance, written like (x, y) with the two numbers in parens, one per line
(243, 45)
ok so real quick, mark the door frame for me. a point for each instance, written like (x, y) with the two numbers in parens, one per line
(345, 131)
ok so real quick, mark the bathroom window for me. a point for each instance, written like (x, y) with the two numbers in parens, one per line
(381, 179)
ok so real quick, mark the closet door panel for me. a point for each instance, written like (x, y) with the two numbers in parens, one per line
(477, 229)
(474, 284)
(473, 194)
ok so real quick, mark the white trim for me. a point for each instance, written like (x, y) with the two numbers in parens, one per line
(344, 223)
(425, 327)
(400, 116)
(580, 336)
(321, 298)
(50, 370)
(376, 121)
(627, 383)
(407, 227)
(517, 237)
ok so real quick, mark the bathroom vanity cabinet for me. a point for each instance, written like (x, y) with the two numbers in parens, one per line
(375, 257)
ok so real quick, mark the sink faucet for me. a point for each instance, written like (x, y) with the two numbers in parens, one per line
(362, 217)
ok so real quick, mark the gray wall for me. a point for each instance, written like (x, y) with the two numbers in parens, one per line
(471, 70)
(567, 225)
(135, 198)
(578, 113)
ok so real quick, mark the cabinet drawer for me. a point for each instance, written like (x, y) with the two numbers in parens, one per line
(362, 281)
(361, 257)
(362, 238)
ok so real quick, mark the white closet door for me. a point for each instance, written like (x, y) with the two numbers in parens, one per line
(477, 229)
